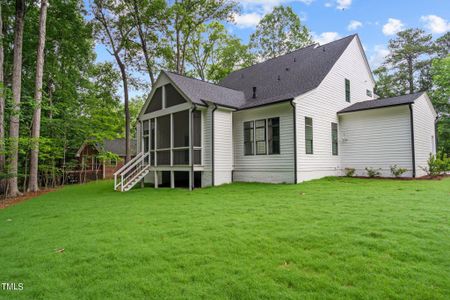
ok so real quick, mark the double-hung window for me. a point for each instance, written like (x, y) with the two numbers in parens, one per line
(260, 136)
(309, 135)
(249, 137)
(273, 127)
(334, 138)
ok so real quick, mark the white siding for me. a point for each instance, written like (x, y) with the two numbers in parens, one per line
(424, 132)
(223, 146)
(322, 104)
(265, 168)
(377, 138)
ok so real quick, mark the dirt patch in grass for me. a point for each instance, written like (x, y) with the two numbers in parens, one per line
(6, 202)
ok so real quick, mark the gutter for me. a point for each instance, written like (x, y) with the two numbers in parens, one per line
(413, 151)
(212, 144)
(193, 109)
(294, 116)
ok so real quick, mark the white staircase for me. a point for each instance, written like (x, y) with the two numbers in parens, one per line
(132, 172)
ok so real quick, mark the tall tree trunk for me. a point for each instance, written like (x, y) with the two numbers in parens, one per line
(410, 75)
(35, 132)
(127, 109)
(16, 90)
(143, 42)
(2, 101)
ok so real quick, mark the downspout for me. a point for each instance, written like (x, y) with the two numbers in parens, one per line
(294, 116)
(193, 109)
(212, 144)
(412, 141)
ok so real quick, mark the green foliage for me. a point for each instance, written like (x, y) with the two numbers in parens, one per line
(334, 238)
(349, 172)
(278, 33)
(371, 172)
(397, 171)
(437, 164)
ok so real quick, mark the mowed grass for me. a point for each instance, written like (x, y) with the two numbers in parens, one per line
(331, 238)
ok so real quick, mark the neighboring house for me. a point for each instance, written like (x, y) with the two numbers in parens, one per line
(92, 167)
(304, 115)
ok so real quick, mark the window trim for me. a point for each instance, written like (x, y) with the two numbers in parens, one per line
(312, 136)
(252, 141)
(334, 141)
(266, 136)
(279, 138)
(260, 141)
(347, 91)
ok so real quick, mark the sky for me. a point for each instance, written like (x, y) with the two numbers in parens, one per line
(375, 21)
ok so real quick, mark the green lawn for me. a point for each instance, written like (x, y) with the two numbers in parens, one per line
(330, 238)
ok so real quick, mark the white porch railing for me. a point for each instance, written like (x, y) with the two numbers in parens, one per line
(132, 172)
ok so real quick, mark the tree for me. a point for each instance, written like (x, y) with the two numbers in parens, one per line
(36, 127)
(409, 59)
(385, 86)
(114, 30)
(214, 53)
(442, 45)
(278, 33)
(16, 92)
(2, 99)
(149, 20)
(187, 15)
(440, 97)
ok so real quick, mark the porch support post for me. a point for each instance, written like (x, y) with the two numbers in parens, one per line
(172, 179)
(156, 179)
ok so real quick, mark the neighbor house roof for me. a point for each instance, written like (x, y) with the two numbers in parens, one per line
(116, 146)
(286, 76)
(380, 103)
(199, 91)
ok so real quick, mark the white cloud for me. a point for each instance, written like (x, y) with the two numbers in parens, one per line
(328, 4)
(326, 37)
(379, 55)
(435, 24)
(247, 20)
(393, 26)
(343, 4)
(353, 25)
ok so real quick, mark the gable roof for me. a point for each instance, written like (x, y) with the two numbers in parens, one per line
(286, 76)
(199, 91)
(380, 103)
(116, 146)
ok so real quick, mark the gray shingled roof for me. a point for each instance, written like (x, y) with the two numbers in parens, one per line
(380, 103)
(287, 76)
(199, 91)
(117, 146)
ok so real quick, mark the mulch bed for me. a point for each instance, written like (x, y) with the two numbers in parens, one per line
(440, 177)
(6, 202)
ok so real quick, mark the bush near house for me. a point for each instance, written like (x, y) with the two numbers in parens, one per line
(335, 238)
(437, 164)
(397, 171)
(371, 172)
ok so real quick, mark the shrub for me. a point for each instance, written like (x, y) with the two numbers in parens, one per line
(437, 164)
(397, 171)
(349, 172)
(371, 172)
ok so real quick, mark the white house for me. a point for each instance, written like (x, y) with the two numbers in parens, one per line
(304, 115)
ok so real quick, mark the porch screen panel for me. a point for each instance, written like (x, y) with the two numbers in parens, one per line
(181, 157)
(163, 132)
(163, 158)
(197, 116)
(156, 102)
(181, 129)
(172, 96)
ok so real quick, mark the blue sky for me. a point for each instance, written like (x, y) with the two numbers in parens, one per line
(376, 21)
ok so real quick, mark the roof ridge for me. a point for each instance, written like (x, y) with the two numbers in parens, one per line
(189, 77)
(290, 52)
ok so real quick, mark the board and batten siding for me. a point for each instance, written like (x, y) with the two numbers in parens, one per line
(223, 146)
(322, 105)
(276, 168)
(376, 138)
(424, 132)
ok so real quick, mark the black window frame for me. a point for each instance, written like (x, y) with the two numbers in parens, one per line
(369, 93)
(264, 140)
(271, 138)
(309, 127)
(334, 139)
(347, 90)
(250, 128)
